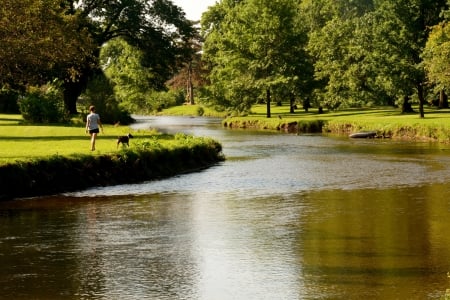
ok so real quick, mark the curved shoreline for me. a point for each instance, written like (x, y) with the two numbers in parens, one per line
(418, 132)
(59, 174)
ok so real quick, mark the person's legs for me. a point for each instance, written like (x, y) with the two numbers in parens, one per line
(93, 137)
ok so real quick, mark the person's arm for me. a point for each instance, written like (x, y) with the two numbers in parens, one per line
(87, 124)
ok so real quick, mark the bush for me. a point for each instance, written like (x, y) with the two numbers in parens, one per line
(43, 105)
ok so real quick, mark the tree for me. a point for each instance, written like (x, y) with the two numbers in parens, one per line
(158, 28)
(193, 73)
(40, 40)
(435, 58)
(255, 49)
(131, 81)
(404, 32)
(369, 51)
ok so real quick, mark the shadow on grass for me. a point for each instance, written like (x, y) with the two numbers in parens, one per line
(43, 138)
(11, 119)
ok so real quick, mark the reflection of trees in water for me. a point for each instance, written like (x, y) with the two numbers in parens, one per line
(390, 243)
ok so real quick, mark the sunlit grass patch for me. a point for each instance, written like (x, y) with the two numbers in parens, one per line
(192, 110)
(386, 121)
(21, 142)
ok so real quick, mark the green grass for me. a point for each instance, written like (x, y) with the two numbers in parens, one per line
(386, 121)
(192, 110)
(21, 142)
(380, 114)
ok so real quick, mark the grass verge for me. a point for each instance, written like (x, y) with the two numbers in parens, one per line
(387, 122)
(43, 160)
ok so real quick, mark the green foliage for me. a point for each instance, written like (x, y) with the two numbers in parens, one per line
(43, 105)
(436, 54)
(100, 93)
(370, 53)
(200, 111)
(132, 82)
(41, 40)
(254, 46)
(158, 29)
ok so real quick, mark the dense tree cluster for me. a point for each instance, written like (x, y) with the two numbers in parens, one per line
(337, 53)
(322, 52)
(47, 39)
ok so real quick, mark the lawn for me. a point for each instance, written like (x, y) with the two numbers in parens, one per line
(18, 141)
(386, 121)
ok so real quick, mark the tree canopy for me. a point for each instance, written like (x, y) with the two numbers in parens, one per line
(40, 41)
(254, 48)
(363, 51)
(336, 53)
(62, 39)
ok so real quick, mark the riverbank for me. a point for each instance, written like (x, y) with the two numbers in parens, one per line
(58, 174)
(386, 122)
(45, 160)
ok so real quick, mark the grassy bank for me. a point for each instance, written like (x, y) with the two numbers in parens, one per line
(195, 110)
(387, 122)
(41, 160)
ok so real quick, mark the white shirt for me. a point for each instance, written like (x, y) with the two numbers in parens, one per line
(92, 120)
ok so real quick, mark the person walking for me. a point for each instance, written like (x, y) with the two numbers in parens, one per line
(93, 125)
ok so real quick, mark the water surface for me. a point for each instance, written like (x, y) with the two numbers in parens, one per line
(284, 217)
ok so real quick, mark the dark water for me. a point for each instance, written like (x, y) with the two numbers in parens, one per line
(285, 217)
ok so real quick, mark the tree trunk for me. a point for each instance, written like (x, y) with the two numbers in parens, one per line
(190, 87)
(268, 102)
(421, 100)
(406, 106)
(72, 90)
(443, 100)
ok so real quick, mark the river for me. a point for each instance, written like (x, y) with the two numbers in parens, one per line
(284, 217)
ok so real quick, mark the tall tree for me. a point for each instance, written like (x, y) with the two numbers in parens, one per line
(131, 82)
(404, 30)
(371, 50)
(255, 49)
(193, 73)
(436, 58)
(40, 41)
(158, 28)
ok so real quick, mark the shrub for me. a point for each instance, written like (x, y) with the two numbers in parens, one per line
(43, 105)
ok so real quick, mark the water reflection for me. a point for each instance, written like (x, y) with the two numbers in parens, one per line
(285, 217)
(374, 244)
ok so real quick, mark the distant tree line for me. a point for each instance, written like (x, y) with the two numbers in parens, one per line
(60, 41)
(333, 53)
(120, 55)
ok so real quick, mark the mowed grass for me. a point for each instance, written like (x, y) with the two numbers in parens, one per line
(21, 142)
(192, 110)
(369, 115)
(382, 118)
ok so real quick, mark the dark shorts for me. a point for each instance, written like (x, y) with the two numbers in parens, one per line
(96, 130)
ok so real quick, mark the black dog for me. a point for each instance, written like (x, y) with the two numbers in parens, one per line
(124, 139)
